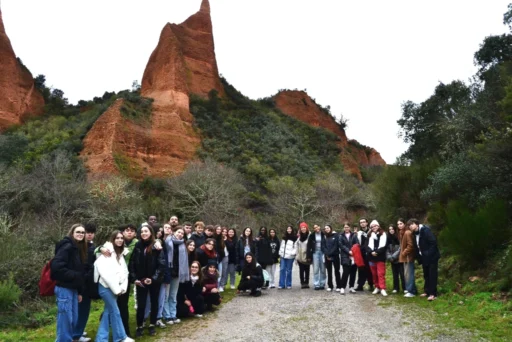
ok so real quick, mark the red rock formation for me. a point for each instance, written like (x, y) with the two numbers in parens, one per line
(18, 97)
(299, 105)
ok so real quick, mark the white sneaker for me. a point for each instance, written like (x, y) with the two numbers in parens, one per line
(221, 289)
(376, 291)
(84, 334)
(233, 287)
(338, 290)
(408, 295)
(289, 287)
(342, 291)
(351, 290)
(394, 291)
(384, 293)
(329, 289)
(84, 339)
(406, 292)
(198, 315)
(128, 339)
(160, 324)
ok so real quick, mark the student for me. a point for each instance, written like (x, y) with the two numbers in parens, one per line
(198, 236)
(392, 254)
(332, 258)
(407, 256)
(245, 245)
(264, 251)
(302, 258)
(287, 252)
(376, 250)
(225, 261)
(222, 259)
(192, 253)
(163, 296)
(112, 275)
(190, 294)
(207, 253)
(187, 228)
(315, 242)
(252, 276)
(429, 256)
(231, 243)
(364, 273)
(346, 242)
(146, 271)
(274, 245)
(211, 286)
(67, 269)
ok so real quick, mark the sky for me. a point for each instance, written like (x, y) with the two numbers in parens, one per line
(362, 58)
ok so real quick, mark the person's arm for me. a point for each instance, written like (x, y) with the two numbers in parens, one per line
(160, 265)
(409, 246)
(60, 270)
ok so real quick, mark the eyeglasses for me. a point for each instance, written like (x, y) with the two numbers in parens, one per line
(81, 232)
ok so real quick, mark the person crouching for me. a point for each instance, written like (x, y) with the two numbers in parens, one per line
(252, 276)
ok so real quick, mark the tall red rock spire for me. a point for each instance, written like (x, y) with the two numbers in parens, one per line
(18, 97)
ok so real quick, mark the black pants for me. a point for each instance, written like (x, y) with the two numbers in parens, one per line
(304, 273)
(364, 274)
(335, 261)
(249, 284)
(153, 291)
(211, 299)
(122, 304)
(430, 276)
(183, 311)
(348, 270)
(398, 276)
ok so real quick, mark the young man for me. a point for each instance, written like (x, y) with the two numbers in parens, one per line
(408, 251)
(364, 273)
(173, 221)
(429, 256)
(187, 227)
(198, 235)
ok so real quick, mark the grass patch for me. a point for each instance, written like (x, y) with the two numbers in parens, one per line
(136, 108)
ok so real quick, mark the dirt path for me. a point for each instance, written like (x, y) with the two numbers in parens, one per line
(308, 315)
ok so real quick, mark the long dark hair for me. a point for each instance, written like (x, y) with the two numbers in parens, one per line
(149, 247)
(234, 235)
(292, 236)
(82, 245)
(252, 265)
(275, 234)
(117, 249)
(247, 237)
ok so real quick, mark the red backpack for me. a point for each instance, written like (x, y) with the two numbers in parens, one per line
(46, 283)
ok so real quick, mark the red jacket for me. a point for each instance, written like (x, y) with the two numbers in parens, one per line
(358, 257)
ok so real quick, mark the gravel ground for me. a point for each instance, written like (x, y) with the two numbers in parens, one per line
(308, 315)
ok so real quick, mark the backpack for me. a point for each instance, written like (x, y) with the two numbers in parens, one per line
(266, 278)
(46, 283)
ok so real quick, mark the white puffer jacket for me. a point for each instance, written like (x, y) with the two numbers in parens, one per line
(287, 249)
(111, 272)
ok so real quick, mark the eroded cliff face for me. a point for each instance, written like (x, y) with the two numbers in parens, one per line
(183, 63)
(18, 97)
(300, 106)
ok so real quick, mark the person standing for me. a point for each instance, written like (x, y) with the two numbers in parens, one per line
(392, 254)
(264, 251)
(429, 256)
(364, 273)
(303, 259)
(230, 242)
(376, 250)
(332, 257)
(287, 252)
(198, 235)
(274, 245)
(407, 257)
(315, 242)
(346, 241)
(67, 269)
(245, 245)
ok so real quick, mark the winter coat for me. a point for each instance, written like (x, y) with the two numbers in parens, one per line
(256, 274)
(204, 257)
(231, 247)
(377, 243)
(210, 281)
(274, 245)
(331, 246)
(110, 272)
(188, 291)
(144, 265)
(393, 250)
(311, 248)
(346, 246)
(407, 247)
(363, 242)
(301, 248)
(264, 252)
(428, 246)
(198, 239)
(287, 250)
(240, 249)
(358, 256)
(67, 268)
(219, 248)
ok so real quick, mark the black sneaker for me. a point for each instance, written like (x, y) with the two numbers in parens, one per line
(152, 330)
(256, 293)
(139, 332)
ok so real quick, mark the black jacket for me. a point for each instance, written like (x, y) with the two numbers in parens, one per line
(381, 251)
(256, 274)
(146, 266)
(188, 291)
(198, 239)
(67, 268)
(204, 259)
(312, 244)
(275, 244)
(393, 250)
(345, 247)
(231, 247)
(240, 249)
(331, 246)
(264, 252)
(428, 246)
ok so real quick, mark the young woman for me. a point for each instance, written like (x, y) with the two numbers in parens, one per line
(177, 255)
(407, 257)
(315, 242)
(332, 257)
(392, 254)
(346, 241)
(287, 252)
(264, 251)
(112, 275)
(207, 253)
(377, 244)
(191, 249)
(146, 271)
(245, 245)
(222, 258)
(67, 269)
(230, 243)
(303, 259)
(252, 276)
(274, 245)
(211, 286)
(190, 294)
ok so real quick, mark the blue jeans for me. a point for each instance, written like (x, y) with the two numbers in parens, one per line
(410, 283)
(111, 317)
(67, 313)
(170, 303)
(84, 308)
(223, 271)
(318, 269)
(285, 274)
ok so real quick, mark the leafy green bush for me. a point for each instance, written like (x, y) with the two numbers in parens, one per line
(474, 236)
(9, 293)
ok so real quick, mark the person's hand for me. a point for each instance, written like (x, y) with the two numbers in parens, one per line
(139, 283)
(188, 303)
(215, 290)
(374, 253)
(105, 252)
(248, 277)
(79, 298)
(158, 245)
(350, 253)
(147, 281)
(204, 289)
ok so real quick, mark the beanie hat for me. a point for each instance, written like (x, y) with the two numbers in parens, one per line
(374, 223)
(303, 224)
(211, 262)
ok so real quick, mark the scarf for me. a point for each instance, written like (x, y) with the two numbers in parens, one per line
(172, 242)
(291, 237)
(210, 254)
(194, 279)
(304, 236)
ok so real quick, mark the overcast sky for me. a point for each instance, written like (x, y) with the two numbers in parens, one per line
(363, 58)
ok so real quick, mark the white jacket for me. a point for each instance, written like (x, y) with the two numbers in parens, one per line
(110, 272)
(287, 249)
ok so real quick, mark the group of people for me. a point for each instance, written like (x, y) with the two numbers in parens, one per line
(181, 271)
